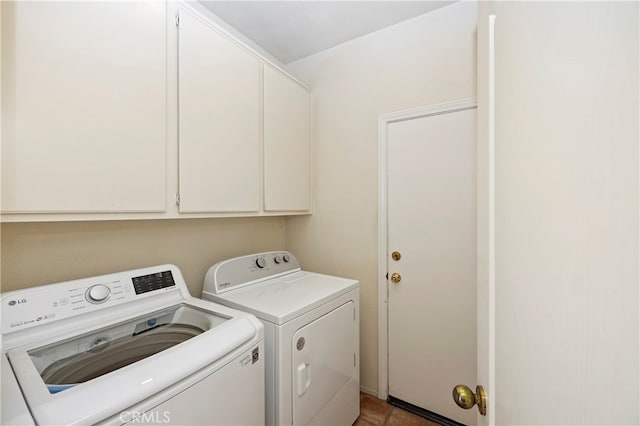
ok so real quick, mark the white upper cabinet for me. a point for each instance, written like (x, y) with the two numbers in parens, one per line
(219, 121)
(84, 107)
(287, 168)
(144, 110)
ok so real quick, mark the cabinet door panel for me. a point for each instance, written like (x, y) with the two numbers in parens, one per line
(219, 120)
(83, 106)
(287, 171)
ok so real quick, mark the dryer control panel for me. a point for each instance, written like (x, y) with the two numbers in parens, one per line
(250, 269)
(27, 308)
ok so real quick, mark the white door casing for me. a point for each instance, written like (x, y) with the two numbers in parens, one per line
(485, 334)
(427, 186)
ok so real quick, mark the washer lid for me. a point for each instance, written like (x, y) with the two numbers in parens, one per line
(91, 376)
(66, 363)
(282, 299)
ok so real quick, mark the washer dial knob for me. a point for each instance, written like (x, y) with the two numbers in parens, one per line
(98, 293)
(277, 259)
(286, 258)
(260, 262)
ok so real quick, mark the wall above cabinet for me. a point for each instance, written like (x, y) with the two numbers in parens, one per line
(143, 111)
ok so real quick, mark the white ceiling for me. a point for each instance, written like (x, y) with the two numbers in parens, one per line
(290, 30)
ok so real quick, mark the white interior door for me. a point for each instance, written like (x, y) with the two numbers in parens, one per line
(564, 346)
(432, 224)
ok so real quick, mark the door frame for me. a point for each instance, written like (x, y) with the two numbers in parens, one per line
(383, 226)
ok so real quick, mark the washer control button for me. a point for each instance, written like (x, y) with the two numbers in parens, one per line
(277, 259)
(286, 258)
(260, 262)
(98, 293)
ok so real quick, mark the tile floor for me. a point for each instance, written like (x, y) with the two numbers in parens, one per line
(375, 412)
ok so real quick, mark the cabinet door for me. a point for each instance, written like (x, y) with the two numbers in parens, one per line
(219, 120)
(83, 106)
(287, 169)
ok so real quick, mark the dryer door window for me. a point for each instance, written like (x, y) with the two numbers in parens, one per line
(323, 354)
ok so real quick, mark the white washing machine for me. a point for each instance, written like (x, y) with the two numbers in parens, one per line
(130, 347)
(311, 335)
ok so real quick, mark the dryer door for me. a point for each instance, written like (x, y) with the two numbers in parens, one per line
(324, 361)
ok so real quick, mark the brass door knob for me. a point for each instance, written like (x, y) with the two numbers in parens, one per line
(395, 277)
(465, 398)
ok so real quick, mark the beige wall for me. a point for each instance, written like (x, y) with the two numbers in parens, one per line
(41, 253)
(423, 61)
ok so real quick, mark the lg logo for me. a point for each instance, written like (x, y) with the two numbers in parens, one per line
(17, 302)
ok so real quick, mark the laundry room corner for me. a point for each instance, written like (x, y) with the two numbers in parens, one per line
(426, 60)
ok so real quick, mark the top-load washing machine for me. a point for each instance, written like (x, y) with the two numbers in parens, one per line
(311, 334)
(129, 347)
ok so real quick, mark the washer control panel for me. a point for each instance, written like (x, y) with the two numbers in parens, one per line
(97, 293)
(27, 308)
(250, 269)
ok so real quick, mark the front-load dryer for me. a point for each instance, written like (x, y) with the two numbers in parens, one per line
(311, 335)
(130, 347)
